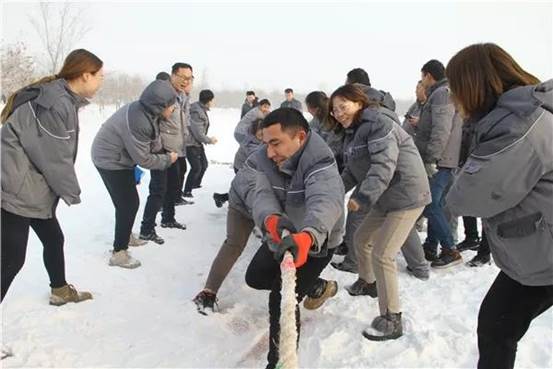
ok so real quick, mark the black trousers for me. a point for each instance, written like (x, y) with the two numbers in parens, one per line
(15, 235)
(198, 165)
(264, 274)
(182, 173)
(505, 315)
(163, 194)
(471, 229)
(121, 186)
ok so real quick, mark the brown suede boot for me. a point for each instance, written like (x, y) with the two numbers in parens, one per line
(68, 293)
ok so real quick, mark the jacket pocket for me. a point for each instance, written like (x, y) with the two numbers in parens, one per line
(35, 191)
(521, 227)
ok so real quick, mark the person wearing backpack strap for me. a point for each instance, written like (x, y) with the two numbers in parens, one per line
(40, 131)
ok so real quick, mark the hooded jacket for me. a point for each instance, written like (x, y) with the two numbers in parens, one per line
(507, 180)
(131, 135)
(39, 149)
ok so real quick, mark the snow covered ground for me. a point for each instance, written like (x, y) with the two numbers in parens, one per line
(145, 317)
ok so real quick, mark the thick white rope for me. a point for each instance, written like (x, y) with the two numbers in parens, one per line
(288, 355)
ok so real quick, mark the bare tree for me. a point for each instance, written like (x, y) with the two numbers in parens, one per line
(17, 68)
(59, 26)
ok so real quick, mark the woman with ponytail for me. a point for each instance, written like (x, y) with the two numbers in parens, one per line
(40, 130)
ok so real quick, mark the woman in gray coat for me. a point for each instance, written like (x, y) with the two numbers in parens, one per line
(507, 180)
(40, 132)
(128, 138)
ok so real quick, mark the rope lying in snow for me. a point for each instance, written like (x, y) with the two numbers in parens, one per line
(288, 334)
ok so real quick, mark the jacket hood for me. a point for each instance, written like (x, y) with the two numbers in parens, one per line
(523, 101)
(382, 97)
(157, 96)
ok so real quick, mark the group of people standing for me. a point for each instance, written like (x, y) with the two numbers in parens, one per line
(477, 143)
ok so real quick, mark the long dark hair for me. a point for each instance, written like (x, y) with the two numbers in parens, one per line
(77, 63)
(480, 73)
(318, 100)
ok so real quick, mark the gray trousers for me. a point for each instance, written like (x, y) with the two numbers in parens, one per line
(239, 228)
(412, 248)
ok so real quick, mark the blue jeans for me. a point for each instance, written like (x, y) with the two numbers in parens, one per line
(439, 229)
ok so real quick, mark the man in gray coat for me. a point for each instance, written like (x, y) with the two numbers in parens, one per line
(164, 184)
(290, 101)
(195, 152)
(249, 103)
(299, 204)
(438, 139)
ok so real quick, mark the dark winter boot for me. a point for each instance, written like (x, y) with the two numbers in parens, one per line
(479, 260)
(362, 288)
(206, 302)
(322, 291)
(341, 249)
(448, 258)
(173, 224)
(183, 201)
(468, 244)
(152, 236)
(385, 327)
(220, 198)
(187, 194)
(430, 251)
(345, 266)
(422, 274)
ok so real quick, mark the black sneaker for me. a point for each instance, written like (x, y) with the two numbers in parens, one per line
(468, 244)
(341, 249)
(220, 198)
(183, 201)
(152, 236)
(187, 194)
(479, 260)
(448, 258)
(430, 251)
(345, 266)
(206, 302)
(362, 288)
(173, 224)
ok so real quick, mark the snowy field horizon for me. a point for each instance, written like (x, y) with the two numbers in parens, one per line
(144, 318)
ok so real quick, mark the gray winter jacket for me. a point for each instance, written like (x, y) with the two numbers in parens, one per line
(246, 107)
(183, 105)
(384, 98)
(39, 147)
(242, 188)
(199, 124)
(333, 138)
(294, 104)
(307, 189)
(382, 162)
(242, 130)
(508, 182)
(131, 135)
(248, 146)
(415, 112)
(439, 130)
(174, 129)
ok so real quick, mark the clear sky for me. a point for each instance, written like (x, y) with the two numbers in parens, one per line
(305, 45)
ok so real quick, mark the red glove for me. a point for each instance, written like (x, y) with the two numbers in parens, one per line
(275, 224)
(299, 245)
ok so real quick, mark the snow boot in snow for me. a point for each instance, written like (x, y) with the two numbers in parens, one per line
(385, 327)
(123, 259)
(5, 352)
(152, 236)
(68, 293)
(422, 274)
(206, 302)
(447, 259)
(321, 291)
(345, 266)
(220, 198)
(468, 244)
(173, 224)
(362, 288)
(134, 241)
(479, 260)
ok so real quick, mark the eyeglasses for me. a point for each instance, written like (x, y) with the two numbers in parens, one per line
(338, 109)
(184, 78)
